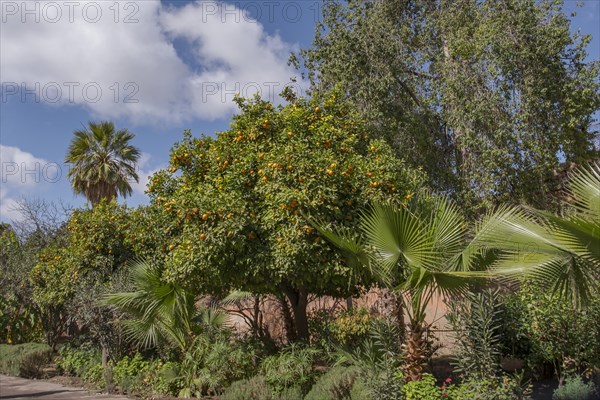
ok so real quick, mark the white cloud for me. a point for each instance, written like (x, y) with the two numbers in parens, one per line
(68, 60)
(144, 172)
(21, 174)
(24, 171)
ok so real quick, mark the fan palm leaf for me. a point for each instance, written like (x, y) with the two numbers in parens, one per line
(159, 310)
(561, 251)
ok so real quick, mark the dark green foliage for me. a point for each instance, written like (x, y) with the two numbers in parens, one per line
(379, 360)
(26, 360)
(424, 389)
(575, 389)
(476, 323)
(19, 322)
(127, 372)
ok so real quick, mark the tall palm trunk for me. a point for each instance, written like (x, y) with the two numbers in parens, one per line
(416, 345)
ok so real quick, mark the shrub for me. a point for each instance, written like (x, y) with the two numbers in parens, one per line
(292, 367)
(163, 378)
(248, 389)
(567, 337)
(32, 365)
(26, 360)
(258, 388)
(476, 322)
(212, 363)
(319, 326)
(351, 327)
(75, 362)
(505, 388)
(94, 375)
(128, 373)
(378, 357)
(576, 389)
(385, 382)
(336, 384)
(425, 389)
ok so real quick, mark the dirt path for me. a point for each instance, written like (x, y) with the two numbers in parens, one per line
(18, 388)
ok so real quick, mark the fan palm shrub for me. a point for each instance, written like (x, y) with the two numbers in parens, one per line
(418, 251)
(162, 311)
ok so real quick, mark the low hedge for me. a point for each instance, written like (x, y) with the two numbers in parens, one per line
(26, 360)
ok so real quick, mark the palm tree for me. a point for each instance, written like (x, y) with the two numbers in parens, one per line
(162, 311)
(561, 251)
(103, 162)
(418, 253)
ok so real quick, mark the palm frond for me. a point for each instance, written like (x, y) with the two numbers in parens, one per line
(160, 310)
(398, 236)
(584, 187)
(236, 297)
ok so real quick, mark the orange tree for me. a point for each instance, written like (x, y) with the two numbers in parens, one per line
(96, 248)
(100, 243)
(238, 201)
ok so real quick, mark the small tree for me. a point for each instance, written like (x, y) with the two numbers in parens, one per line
(236, 205)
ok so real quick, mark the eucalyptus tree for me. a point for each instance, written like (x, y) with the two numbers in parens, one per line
(489, 97)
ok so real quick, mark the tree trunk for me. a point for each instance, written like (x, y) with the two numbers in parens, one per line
(415, 352)
(288, 320)
(299, 301)
(105, 355)
(399, 314)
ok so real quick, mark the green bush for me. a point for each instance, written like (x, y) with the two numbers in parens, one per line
(576, 389)
(477, 324)
(505, 388)
(19, 323)
(163, 378)
(248, 389)
(129, 373)
(94, 375)
(379, 359)
(567, 337)
(292, 367)
(75, 362)
(26, 360)
(257, 388)
(351, 327)
(336, 384)
(425, 389)
(212, 363)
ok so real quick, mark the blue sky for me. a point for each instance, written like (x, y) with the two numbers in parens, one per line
(154, 67)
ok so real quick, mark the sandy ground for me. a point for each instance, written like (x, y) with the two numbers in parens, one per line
(18, 388)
